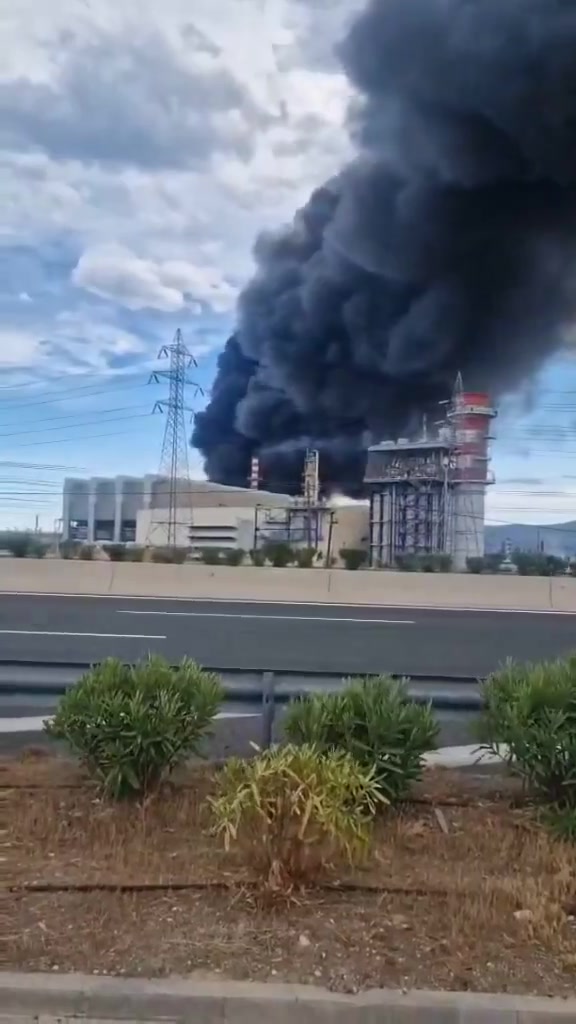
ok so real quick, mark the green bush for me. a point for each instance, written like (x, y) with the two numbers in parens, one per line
(291, 808)
(353, 558)
(21, 544)
(131, 725)
(475, 565)
(168, 556)
(116, 552)
(433, 562)
(531, 710)
(258, 558)
(211, 556)
(134, 552)
(87, 552)
(375, 721)
(234, 556)
(536, 564)
(125, 552)
(305, 558)
(69, 549)
(278, 553)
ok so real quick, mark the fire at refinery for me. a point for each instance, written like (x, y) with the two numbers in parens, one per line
(427, 495)
(423, 495)
(447, 244)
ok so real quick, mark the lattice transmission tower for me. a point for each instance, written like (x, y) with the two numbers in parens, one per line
(174, 466)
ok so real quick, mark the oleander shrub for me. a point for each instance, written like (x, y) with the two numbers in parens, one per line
(168, 555)
(233, 556)
(529, 719)
(353, 558)
(475, 565)
(22, 544)
(278, 553)
(125, 552)
(132, 725)
(305, 557)
(292, 809)
(374, 720)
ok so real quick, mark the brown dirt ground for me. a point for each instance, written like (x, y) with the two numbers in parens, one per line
(431, 908)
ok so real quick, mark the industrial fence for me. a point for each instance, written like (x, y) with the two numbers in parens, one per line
(258, 692)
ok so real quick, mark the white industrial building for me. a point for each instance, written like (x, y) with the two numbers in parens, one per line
(127, 509)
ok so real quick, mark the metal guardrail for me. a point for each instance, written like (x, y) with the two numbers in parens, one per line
(263, 689)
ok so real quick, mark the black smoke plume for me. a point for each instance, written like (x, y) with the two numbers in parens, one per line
(448, 245)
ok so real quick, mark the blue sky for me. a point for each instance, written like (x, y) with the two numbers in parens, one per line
(142, 147)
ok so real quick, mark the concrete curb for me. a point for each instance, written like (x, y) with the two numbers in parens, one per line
(48, 998)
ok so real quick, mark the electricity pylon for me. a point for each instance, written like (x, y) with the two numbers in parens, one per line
(174, 465)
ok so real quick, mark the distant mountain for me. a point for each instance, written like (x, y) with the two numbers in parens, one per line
(558, 539)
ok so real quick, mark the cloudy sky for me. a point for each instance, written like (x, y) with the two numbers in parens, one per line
(142, 147)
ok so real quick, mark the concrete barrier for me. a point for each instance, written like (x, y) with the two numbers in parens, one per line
(246, 583)
(28, 998)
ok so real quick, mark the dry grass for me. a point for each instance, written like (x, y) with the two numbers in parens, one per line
(441, 907)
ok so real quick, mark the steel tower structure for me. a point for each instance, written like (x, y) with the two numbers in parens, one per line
(174, 466)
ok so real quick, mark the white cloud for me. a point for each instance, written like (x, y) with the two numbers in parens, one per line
(142, 150)
(115, 273)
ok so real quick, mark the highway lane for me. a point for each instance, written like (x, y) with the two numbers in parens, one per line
(260, 635)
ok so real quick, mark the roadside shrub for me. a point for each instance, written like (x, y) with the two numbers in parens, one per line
(291, 809)
(21, 544)
(375, 721)
(424, 562)
(234, 556)
(258, 558)
(475, 565)
(305, 558)
(531, 710)
(131, 725)
(168, 556)
(537, 564)
(442, 562)
(407, 563)
(134, 552)
(278, 553)
(353, 558)
(69, 549)
(125, 552)
(116, 552)
(87, 552)
(211, 556)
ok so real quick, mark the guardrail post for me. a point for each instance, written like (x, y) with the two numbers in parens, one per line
(268, 707)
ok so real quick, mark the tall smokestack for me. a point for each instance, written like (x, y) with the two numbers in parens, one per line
(470, 415)
(254, 473)
(448, 244)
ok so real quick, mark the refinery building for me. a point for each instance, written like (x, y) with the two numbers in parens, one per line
(423, 496)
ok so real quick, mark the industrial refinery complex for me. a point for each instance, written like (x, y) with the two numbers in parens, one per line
(423, 496)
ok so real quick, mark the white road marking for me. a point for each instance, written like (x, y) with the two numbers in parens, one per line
(298, 604)
(36, 724)
(281, 618)
(45, 632)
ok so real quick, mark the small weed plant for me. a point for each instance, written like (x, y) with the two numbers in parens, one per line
(293, 809)
(529, 719)
(132, 725)
(375, 721)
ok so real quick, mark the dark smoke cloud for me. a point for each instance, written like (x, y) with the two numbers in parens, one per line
(448, 245)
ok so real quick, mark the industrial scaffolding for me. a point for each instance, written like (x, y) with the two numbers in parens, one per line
(410, 499)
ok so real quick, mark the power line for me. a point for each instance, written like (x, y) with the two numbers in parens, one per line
(79, 426)
(69, 395)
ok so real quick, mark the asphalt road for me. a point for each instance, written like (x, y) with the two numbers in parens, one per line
(256, 635)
